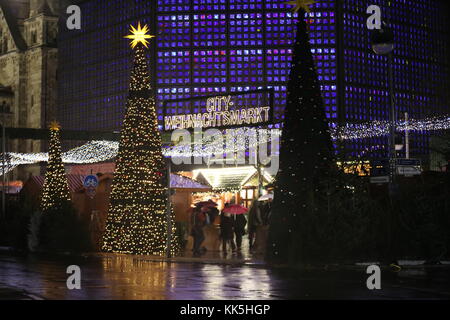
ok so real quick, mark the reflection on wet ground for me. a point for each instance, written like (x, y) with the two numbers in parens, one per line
(127, 277)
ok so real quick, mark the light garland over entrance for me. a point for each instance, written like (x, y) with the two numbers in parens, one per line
(100, 151)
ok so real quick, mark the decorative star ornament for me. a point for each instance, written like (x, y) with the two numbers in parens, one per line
(301, 4)
(55, 126)
(139, 35)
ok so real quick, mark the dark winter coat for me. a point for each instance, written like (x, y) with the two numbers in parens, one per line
(198, 222)
(266, 212)
(226, 227)
(213, 213)
(254, 216)
(239, 223)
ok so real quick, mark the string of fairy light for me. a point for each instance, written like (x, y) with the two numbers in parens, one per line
(138, 215)
(242, 139)
(55, 191)
(381, 128)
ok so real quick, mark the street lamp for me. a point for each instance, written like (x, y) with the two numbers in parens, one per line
(382, 42)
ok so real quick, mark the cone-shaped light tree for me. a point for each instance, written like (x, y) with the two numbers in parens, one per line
(305, 154)
(55, 192)
(136, 221)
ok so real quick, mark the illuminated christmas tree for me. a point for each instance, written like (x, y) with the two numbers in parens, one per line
(136, 221)
(305, 153)
(55, 193)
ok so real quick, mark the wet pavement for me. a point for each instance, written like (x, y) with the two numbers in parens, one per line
(128, 277)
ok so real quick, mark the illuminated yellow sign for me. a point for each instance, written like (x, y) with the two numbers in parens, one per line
(219, 114)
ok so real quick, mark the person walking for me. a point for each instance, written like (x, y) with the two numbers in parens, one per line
(254, 220)
(226, 230)
(213, 213)
(262, 230)
(198, 222)
(266, 212)
(239, 223)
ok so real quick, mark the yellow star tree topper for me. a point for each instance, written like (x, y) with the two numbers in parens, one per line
(139, 35)
(301, 4)
(55, 126)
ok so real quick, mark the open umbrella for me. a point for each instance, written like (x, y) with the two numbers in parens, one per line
(235, 209)
(208, 203)
(266, 197)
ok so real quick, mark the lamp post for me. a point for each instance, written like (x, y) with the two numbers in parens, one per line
(383, 44)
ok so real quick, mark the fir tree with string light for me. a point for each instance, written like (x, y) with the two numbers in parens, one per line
(305, 153)
(59, 227)
(136, 221)
(55, 192)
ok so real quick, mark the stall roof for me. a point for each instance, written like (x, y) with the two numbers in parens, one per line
(180, 182)
(228, 178)
(176, 182)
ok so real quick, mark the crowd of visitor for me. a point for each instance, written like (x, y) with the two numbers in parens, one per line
(233, 224)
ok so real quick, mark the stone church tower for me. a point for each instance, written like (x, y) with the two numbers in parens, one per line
(28, 66)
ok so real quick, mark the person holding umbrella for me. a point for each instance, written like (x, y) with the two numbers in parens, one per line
(198, 222)
(239, 229)
(238, 222)
(213, 212)
(226, 230)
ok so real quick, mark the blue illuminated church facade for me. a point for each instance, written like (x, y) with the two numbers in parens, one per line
(206, 47)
